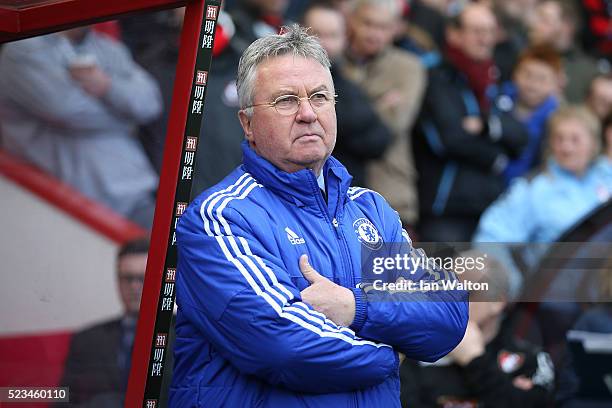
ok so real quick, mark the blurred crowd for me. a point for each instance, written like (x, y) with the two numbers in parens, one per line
(483, 121)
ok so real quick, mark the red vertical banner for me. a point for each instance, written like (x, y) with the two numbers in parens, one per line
(151, 346)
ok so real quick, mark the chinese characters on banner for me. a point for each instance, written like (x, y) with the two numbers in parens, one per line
(165, 309)
(209, 26)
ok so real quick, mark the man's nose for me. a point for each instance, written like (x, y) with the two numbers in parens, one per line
(305, 112)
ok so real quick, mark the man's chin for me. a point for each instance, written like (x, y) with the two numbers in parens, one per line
(310, 161)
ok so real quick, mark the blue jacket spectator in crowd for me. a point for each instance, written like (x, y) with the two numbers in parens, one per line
(535, 124)
(574, 181)
(532, 98)
(539, 210)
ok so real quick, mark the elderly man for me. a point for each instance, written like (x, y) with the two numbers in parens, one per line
(394, 81)
(271, 310)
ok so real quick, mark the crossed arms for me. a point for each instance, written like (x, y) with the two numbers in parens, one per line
(239, 295)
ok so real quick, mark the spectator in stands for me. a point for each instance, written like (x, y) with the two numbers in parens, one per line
(555, 22)
(344, 6)
(532, 97)
(361, 134)
(157, 52)
(599, 97)
(70, 103)
(512, 33)
(98, 362)
(461, 147)
(517, 13)
(394, 81)
(574, 181)
(413, 35)
(254, 19)
(429, 16)
(489, 368)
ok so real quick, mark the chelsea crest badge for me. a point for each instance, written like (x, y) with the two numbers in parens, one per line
(367, 234)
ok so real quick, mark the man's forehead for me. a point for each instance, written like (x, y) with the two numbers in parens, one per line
(292, 73)
(291, 63)
(375, 13)
(477, 15)
(316, 16)
(549, 5)
(533, 64)
(132, 263)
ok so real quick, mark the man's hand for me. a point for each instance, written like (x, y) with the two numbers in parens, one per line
(92, 79)
(471, 346)
(522, 383)
(334, 301)
(391, 99)
(473, 125)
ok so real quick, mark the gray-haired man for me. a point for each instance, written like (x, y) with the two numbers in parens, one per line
(257, 325)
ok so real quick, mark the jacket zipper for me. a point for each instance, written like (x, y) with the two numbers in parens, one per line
(346, 258)
(334, 225)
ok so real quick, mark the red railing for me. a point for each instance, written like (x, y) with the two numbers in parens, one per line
(62, 196)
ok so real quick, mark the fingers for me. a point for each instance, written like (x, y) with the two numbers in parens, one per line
(522, 383)
(308, 271)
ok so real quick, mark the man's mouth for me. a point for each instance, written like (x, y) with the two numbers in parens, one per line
(308, 137)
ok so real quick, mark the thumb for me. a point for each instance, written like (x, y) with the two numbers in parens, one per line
(308, 271)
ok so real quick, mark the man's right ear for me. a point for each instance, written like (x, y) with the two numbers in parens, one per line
(245, 122)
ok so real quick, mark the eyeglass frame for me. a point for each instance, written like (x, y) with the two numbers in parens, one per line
(299, 99)
(129, 279)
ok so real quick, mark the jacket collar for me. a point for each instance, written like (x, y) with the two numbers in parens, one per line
(555, 169)
(300, 187)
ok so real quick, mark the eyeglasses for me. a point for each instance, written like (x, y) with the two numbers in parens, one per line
(131, 279)
(289, 104)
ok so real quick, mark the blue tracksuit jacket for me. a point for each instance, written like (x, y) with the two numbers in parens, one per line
(244, 338)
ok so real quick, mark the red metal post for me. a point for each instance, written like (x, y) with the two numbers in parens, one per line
(165, 202)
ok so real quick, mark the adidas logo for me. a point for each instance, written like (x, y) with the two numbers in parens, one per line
(293, 237)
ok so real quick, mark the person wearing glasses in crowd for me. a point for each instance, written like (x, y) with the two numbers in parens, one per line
(271, 312)
(98, 363)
